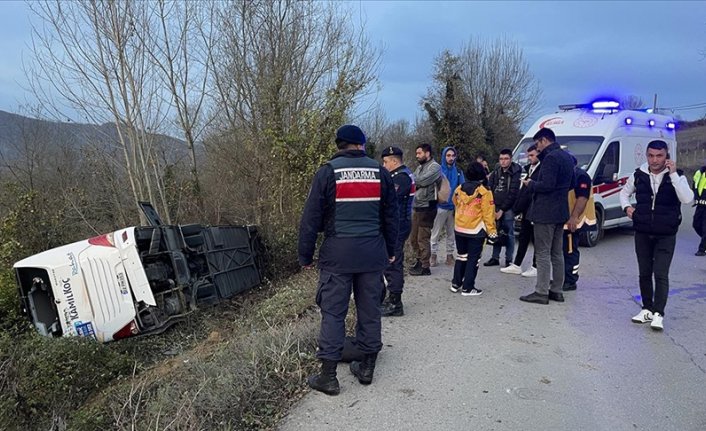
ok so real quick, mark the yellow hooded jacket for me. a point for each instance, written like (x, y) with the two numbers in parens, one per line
(475, 214)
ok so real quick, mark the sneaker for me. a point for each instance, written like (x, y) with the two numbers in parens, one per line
(432, 261)
(450, 261)
(420, 271)
(472, 292)
(417, 265)
(492, 262)
(644, 316)
(455, 288)
(700, 253)
(657, 324)
(512, 269)
(532, 272)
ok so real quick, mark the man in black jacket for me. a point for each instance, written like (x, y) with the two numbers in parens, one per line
(520, 208)
(659, 190)
(504, 182)
(549, 211)
(352, 201)
(405, 188)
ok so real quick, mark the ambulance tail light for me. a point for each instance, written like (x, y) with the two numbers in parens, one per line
(127, 331)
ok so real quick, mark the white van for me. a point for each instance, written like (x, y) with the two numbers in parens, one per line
(609, 144)
(137, 280)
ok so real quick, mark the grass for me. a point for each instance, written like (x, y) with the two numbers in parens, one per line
(238, 365)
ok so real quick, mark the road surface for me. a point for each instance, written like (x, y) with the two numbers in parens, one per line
(495, 363)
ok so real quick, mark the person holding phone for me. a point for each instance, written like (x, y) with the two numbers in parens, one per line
(660, 190)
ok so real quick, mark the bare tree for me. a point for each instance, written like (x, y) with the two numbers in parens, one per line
(93, 54)
(480, 96)
(286, 73)
(632, 102)
(181, 50)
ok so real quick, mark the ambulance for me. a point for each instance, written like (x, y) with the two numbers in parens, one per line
(609, 143)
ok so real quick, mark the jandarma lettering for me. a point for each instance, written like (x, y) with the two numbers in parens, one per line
(357, 175)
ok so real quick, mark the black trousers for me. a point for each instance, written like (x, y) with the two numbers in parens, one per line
(466, 266)
(394, 273)
(571, 260)
(333, 296)
(525, 237)
(699, 224)
(654, 256)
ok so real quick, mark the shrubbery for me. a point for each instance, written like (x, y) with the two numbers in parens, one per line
(43, 379)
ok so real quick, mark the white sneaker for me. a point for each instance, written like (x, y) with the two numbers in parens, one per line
(512, 269)
(532, 272)
(644, 316)
(657, 322)
(472, 292)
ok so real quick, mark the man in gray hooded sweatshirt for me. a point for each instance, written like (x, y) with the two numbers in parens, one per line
(445, 213)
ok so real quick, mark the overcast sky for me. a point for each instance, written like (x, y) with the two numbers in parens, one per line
(576, 50)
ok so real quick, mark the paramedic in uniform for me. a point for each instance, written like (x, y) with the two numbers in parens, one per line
(352, 201)
(659, 191)
(582, 218)
(405, 188)
(699, 222)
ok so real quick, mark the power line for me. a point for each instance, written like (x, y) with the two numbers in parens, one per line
(686, 107)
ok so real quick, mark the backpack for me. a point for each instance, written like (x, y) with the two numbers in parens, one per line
(443, 190)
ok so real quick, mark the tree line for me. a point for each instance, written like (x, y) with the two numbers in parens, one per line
(253, 90)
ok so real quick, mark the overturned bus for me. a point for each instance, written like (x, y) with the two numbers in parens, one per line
(137, 280)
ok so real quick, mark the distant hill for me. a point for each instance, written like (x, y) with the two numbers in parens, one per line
(16, 129)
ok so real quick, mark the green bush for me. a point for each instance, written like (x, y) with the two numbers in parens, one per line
(12, 322)
(42, 380)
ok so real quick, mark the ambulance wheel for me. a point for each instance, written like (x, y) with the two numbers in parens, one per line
(591, 238)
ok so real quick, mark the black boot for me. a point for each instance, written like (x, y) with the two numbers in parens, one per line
(326, 380)
(393, 305)
(364, 370)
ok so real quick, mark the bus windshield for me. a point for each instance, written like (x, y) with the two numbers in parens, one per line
(582, 147)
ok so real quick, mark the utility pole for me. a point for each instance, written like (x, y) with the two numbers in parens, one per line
(654, 105)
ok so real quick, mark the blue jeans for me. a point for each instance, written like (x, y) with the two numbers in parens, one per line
(506, 223)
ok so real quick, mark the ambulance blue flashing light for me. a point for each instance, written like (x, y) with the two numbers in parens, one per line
(628, 121)
(671, 125)
(605, 104)
(651, 123)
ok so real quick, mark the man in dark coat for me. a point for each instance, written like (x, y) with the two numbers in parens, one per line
(548, 212)
(352, 201)
(405, 188)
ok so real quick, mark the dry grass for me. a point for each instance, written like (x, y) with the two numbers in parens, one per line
(239, 365)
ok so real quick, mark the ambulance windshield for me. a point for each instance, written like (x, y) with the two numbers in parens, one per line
(582, 147)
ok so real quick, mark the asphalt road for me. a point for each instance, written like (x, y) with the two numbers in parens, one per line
(495, 363)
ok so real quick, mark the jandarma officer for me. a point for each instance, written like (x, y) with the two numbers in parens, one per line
(405, 188)
(352, 201)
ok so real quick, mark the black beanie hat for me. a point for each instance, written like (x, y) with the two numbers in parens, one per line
(351, 134)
